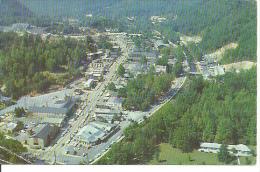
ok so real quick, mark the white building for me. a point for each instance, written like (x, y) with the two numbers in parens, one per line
(241, 150)
(89, 84)
(160, 69)
(94, 132)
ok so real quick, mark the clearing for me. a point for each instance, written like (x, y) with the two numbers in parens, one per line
(186, 39)
(172, 156)
(218, 54)
(238, 66)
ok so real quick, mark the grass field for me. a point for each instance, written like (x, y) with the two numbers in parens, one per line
(172, 156)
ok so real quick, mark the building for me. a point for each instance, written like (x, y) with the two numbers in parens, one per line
(96, 55)
(42, 135)
(55, 113)
(160, 44)
(107, 111)
(219, 70)
(89, 84)
(10, 127)
(160, 69)
(96, 74)
(94, 133)
(97, 64)
(4, 99)
(20, 27)
(106, 114)
(241, 150)
(115, 102)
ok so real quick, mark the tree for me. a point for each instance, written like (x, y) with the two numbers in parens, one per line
(162, 61)
(121, 70)
(185, 137)
(111, 86)
(177, 69)
(19, 126)
(19, 112)
(223, 154)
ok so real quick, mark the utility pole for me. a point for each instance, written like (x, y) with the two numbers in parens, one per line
(54, 163)
(87, 155)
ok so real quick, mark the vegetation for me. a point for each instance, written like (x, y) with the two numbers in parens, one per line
(167, 155)
(111, 86)
(24, 60)
(121, 70)
(12, 145)
(222, 111)
(104, 44)
(19, 127)
(224, 155)
(217, 22)
(145, 90)
(19, 112)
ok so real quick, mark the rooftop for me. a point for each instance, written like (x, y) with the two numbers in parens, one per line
(50, 110)
(11, 125)
(106, 111)
(59, 107)
(90, 133)
(4, 99)
(239, 147)
(41, 130)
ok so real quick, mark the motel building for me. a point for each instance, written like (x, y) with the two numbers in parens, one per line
(241, 150)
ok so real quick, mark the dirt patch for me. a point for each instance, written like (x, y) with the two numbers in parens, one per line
(238, 66)
(217, 55)
(186, 39)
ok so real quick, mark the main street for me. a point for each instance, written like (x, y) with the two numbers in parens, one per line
(98, 151)
(84, 116)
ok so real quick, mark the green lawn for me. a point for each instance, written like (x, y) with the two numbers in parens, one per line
(172, 156)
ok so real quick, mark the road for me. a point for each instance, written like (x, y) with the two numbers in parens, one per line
(169, 95)
(48, 154)
(98, 151)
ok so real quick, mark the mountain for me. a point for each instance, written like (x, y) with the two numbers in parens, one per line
(12, 11)
(218, 22)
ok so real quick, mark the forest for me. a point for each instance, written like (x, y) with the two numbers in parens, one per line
(217, 22)
(143, 91)
(26, 62)
(223, 111)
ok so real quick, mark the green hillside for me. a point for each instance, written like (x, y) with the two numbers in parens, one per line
(219, 22)
(223, 112)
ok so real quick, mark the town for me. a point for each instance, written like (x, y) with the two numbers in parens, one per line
(80, 122)
(159, 83)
